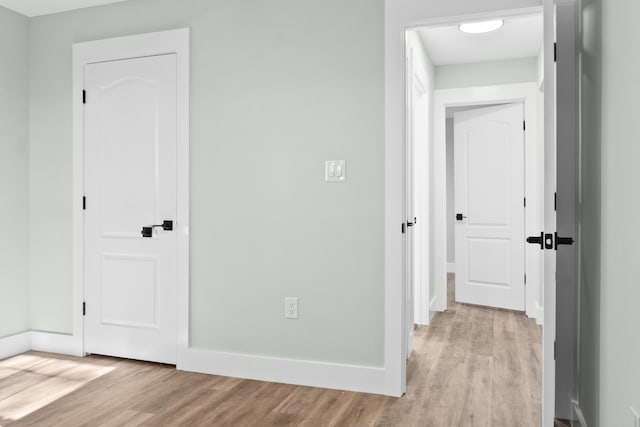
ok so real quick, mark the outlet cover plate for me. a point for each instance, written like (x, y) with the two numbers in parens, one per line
(291, 307)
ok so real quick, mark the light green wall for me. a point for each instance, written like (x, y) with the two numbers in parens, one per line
(14, 173)
(278, 87)
(486, 73)
(620, 286)
(589, 214)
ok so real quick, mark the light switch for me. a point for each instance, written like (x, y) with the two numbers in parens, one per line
(335, 171)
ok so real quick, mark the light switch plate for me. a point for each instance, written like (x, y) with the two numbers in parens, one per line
(335, 171)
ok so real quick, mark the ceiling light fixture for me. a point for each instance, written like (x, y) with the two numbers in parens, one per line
(481, 27)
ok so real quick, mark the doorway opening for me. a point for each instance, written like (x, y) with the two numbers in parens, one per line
(474, 191)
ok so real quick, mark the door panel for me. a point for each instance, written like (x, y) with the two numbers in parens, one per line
(489, 193)
(130, 183)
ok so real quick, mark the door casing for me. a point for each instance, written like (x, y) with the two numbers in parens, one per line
(400, 17)
(525, 93)
(151, 44)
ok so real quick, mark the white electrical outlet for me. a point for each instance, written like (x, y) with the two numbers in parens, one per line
(635, 418)
(291, 307)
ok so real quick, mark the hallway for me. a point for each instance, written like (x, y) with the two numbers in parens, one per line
(473, 366)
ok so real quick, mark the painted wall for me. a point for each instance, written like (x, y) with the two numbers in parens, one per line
(486, 73)
(619, 286)
(277, 88)
(590, 217)
(14, 173)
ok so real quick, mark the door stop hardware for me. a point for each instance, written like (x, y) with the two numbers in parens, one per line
(148, 231)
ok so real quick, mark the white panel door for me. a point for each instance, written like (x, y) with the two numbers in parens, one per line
(489, 200)
(130, 183)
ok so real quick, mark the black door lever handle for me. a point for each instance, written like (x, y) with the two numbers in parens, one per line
(563, 241)
(537, 240)
(148, 231)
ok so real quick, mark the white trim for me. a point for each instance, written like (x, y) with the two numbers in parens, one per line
(451, 267)
(526, 93)
(51, 342)
(288, 371)
(539, 315)
(151, 44)
(14, 344)
(577, 411)
(399, 18)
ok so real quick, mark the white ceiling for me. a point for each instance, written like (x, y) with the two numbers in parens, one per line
(45, 7)
(520, 37)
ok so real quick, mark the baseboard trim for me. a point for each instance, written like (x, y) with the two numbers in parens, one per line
(451, 267)
(539, 315)
(577, 411)
(50, 342)
(13, 345)
(288, 371)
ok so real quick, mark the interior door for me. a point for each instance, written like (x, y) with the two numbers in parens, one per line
(420, 139)
(407, 226)
(489, 200)
(130, 183)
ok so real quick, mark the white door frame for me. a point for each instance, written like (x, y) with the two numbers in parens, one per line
(400, 17)
(143, 45)
(526, 93)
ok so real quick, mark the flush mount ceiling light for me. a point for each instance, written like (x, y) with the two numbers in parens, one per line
(481, 27)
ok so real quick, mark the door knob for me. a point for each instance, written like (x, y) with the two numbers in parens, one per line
(460, 217)
(148, 231)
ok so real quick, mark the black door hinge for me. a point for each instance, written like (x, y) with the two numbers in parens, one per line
(84, 203)
(84, 96)
(525, 202)
(524, 125)
(555, 52)
(525, 279)
(555, 201)
(404, 228)
(84, 308)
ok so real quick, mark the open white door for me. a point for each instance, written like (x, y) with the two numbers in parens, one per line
(489, 194)
(420, 137)
(130, 183)
(549, 328)
(409, 212)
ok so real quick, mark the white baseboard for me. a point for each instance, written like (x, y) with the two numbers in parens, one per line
(14, 345)
(539, 315)
(451, 267)
(288, 371)
(50, 342)
(577, 411)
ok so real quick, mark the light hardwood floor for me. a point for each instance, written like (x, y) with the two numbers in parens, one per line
(473, 366)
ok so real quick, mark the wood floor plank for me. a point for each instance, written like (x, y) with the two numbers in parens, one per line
(472, 366)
